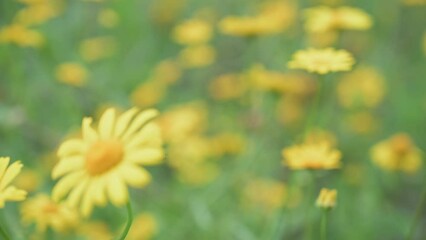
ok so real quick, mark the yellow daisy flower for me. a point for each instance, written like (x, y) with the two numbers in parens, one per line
(45, 213)
(397, 153)
(322, 61)
(312, 156)
(99, 166)
(7, 174)
(327, 198)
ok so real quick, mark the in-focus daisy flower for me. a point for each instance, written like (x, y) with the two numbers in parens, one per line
(322, 61)
(311, 156)
(327, 198)
(7, 174)
(45, 213)
(72, 73)
(193, 32)
(107, 159)
(397, 153)
(364, 87)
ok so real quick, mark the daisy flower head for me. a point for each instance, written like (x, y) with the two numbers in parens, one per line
(319, 155)
(7, 174)
(99, 166)
(327, 198)
(322, 61)
(45, 213)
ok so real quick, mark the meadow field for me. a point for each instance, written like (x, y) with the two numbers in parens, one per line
(212, 120)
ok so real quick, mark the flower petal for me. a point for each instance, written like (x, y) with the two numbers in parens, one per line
(117, 190)
(67, 165)
(11, 172)
(140, 120)
(147, 156)
(66, 184)
(71, 147)
(123, 121)
(106, 124)
(135, 176)
(149, 135)
(89, 134)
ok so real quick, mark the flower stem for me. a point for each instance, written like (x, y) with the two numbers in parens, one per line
(418, 215)
(324, 224)
(129, 222)
(3, 233)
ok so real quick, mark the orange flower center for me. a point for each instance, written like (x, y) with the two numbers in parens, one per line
(401, 144)
(50, 208)
(103, 155)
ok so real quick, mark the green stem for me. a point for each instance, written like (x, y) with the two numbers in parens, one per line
(310, 200)
(129, 222)
(324, 224)
(3, 233)
(313, 115)
(418, 215)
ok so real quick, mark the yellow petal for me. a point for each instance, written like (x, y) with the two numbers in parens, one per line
(87, 202)
(66, 184)
(124, 120)
(11, 172)
(98, 191)
(106, 124)
(14, 194)
(70, 147)
(67, 165)
(135, 176)
(4, 162)
(117, 190)
(89, 134)
(140, 120)
(77, 193)
(147, 156)
(149, 135)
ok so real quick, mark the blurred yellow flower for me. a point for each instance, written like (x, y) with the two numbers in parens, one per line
(227, 86)
(264, 194)
(97, 48)
(364, 87)
(28, 180)
(317, 136)
(148, 94)
(274, 17)
(362, 122)
(20, 35)
(322, 61)
(167, 72)
(72, 73)
(45, 213)
(108, 18)
(327, 198)
(7, 174)
(325, 19)
(95, 230)
(164, 12)
(145, 227)
(197, 56)
(38, 13)
(311, 156)
(227, 143)
(397, 153)
(99, 166)
(183, 121)
(193, 32)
